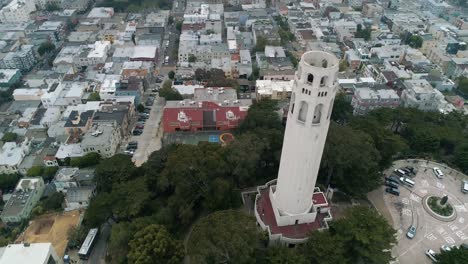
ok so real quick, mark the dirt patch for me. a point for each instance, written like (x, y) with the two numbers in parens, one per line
(51, 228)
(43, 227)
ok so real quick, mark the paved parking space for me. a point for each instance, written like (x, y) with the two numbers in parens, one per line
(150, 140)
(406, 210)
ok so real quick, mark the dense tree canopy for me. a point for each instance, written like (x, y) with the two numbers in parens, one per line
(224, 237)
(454, 256)
(361, 236)
(168, 92)
(351, 160)
(87, 160)
(94, 96)
(45, 47)
(153, 244)
(9, 137)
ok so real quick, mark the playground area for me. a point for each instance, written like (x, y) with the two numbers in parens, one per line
(194, 138)
(51, 228)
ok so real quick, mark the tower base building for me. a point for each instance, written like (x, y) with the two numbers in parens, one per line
(290, 207)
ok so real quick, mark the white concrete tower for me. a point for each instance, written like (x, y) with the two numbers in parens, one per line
(311, 105)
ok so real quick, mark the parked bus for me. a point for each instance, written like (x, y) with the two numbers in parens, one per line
(88, 244)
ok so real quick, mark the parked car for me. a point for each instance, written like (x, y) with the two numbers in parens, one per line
(438, 173)
(133, 143)
(391, 184)
(131, 147)
(392, 191)
(411, 169)
(400, 172)
(464, 187)
(447, 248)
(140, 126)
(431, 254)
(392, 178)
(129, 152)
(407, 181)
(137, 132)
(411, 232)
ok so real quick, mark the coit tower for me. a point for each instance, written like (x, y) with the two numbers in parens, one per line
(312, 97)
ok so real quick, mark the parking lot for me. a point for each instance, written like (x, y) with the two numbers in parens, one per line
(406, 209)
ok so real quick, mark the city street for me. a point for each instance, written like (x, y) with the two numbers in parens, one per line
(150, 140)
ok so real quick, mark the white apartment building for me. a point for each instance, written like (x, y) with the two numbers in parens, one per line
(17, 11)
(271, 89)
(244, 67)
(31, 253)
(12, 154)
(21, 59)
(420, 94)
(27, 193)
(366, 99)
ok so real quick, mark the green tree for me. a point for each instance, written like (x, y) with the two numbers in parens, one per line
(224, 237)
(49, 172)
(284, 255)
(293, 58)
(76, 236)
(52, 7)
(53, 202)
(343, 65)
(8, 181)
(192, 58)
(455, 256)
(45, 47)
(342, 109)
(387, 143)
(415, 41)
(169, 93)
(463, 85)
(461, 156)
(171, 74)
(367, 236)
(324, 247)
(114, 170)
(140, 108)
(260, 44)
(131, 197)
(94, 96)
(179, 26)
(35, 171)
(88, 160)
(9, 137)
(350, 160)
(99, 210)
(153, 244)
(363, 33)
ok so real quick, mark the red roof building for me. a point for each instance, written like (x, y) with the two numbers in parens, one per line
(213, 109)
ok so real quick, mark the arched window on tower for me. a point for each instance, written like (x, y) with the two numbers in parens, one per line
(303, 111)
(310, 78)
(324, 63)
(317, 114)
(330, 108)
(292, 101)
(323, 81)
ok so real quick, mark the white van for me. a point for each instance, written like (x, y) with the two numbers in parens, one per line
(400, 172)
(464, 186)
(166, 60)
(407, 181)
